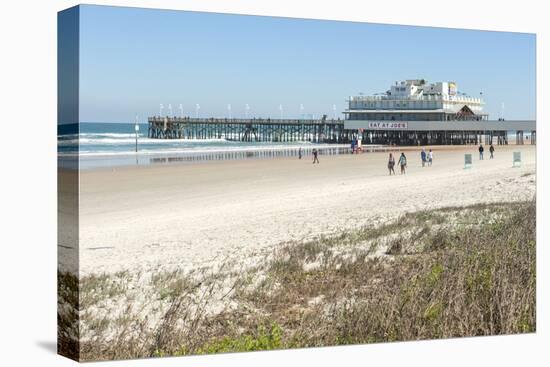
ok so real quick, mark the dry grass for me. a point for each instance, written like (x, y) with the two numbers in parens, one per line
(67, 316)
(433, 274)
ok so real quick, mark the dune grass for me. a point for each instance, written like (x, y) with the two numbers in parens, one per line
(452, 272)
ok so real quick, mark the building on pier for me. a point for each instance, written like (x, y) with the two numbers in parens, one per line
(414, 112)
(417, 100)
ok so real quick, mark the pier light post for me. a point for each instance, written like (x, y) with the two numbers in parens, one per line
(181, 110)
(197, 108)
(170, 109)
(229, 109)
(281, 110)
(160, 110)
(334, 112)
(246, 109)
(301, 111)
(136, 128)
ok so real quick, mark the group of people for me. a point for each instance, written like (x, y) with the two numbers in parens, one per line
(402, 163)
(355, 147)
(427, 158)
(481, 150)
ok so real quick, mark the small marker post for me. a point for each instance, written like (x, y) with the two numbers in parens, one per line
(517, 159)
(136, 128)
(467, 161)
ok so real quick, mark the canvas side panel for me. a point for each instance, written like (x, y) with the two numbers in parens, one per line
(68, 183)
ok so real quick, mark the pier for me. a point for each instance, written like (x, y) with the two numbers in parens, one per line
(343, 131)
(250, 130)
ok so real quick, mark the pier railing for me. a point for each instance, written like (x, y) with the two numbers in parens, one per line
(170, 120)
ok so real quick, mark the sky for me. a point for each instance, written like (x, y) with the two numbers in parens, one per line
(132, 60)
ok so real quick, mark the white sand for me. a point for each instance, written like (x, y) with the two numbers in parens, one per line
(191, 215)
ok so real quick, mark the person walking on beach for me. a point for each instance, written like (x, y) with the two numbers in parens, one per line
(423, 157)
(315, 156)
(403, 163)
(481, 152)
(430, 157)
(391, 164)
(300, 153)
(491, 150)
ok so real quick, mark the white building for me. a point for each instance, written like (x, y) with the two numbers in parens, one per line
(416, 100)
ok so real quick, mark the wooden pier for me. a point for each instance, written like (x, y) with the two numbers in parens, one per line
(341, 131)
(250, 130)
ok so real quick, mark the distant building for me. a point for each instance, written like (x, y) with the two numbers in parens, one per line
(417, 100)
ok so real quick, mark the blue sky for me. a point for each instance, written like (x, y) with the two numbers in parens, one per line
(132, 59)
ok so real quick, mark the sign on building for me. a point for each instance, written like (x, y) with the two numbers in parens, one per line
(467, 160)
(390, 125)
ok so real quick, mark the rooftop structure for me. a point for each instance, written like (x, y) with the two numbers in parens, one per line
(417, 100)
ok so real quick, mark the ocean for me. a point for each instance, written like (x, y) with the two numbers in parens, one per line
(114, 144)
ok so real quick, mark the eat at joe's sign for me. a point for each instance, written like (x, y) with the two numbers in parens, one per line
(388, 125)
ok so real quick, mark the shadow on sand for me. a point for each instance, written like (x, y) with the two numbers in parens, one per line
(48, 345)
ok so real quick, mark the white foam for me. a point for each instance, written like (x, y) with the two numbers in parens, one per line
(203, 150)
(111, 141)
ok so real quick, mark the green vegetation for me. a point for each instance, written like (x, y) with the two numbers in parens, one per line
(263, 339)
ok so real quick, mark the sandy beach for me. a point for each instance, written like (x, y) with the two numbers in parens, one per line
(193, 215)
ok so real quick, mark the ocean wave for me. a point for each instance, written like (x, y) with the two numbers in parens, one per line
(111, 141)
(110, 135)
(93, 140)
(100, 135)
(141, 140)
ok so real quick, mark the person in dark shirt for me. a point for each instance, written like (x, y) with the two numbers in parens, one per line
(315, 156)
(403, 163)
(481, 149)
(491, 150)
